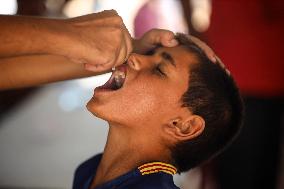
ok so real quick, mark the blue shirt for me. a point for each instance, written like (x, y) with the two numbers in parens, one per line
(155, 175)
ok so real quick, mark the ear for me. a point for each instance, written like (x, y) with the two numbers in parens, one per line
(185, 129)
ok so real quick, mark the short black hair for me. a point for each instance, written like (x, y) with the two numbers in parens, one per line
(212, 94)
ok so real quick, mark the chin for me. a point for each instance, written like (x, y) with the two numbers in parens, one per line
(111, 113)
(95, 109)
(103, 112)
(122, 105)
(105, 102)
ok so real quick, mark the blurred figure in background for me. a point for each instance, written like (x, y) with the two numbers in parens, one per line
(248, 36)
(155, 14)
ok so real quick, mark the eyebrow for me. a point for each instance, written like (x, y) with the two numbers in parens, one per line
(153, 50)
(169, 58)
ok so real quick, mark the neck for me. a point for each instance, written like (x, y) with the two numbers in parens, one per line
(121, 154)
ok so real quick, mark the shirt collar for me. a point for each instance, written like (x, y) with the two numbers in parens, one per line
(155, 167)
(143, 170)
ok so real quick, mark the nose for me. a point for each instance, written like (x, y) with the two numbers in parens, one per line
(138, 61)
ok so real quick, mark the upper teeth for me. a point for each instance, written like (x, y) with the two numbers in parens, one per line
(119, 76)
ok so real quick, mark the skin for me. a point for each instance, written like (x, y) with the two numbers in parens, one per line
(39, 50)
(57, 44)
(33, 70)
(145, 116)
(79, 39)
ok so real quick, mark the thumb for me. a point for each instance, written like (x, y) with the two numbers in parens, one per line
(160, 36)
(167, 38)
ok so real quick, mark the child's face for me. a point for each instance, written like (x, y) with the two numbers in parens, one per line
(149, 96)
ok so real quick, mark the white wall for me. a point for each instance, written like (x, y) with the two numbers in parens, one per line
(41, 144)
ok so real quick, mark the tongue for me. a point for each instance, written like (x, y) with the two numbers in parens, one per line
(110, 84)
(116, 80)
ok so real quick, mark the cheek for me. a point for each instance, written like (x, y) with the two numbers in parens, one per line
(132, 106)
(138, 103)
(147, 102)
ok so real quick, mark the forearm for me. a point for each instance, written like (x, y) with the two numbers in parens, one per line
(27, 71)
(22, 35)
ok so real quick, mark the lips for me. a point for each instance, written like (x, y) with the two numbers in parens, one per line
(116, 80)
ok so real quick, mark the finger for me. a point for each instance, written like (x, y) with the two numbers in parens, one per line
(104, 18)
(128, 43)
(94, 62)
(98, 15)
(220, 62)
(125, 47)
(160, 36)
(153, 38)
(207, 50)
(167, 38)
(91, 67)
(97, 68)
(121, 53)
(77, 61)
(113, 20)
(110, 12)
(99, 58)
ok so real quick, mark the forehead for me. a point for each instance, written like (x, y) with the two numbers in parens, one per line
(179, 74)
(182, 56)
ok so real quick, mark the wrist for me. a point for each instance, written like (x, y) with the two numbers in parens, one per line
(54, 38)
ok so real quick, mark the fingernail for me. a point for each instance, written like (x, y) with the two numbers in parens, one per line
(214, 59)
(173, 42)
(228, 72)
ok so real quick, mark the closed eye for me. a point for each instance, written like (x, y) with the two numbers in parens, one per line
(159, 70)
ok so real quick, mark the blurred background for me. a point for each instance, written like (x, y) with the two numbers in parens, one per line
(46, 132)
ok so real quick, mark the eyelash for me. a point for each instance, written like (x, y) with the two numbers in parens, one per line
(158, 70)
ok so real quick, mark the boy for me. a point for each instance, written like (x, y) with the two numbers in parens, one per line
(168, 111)
(169, 107)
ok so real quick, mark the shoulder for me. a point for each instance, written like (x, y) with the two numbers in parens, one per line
(153, 181)
(85, 170)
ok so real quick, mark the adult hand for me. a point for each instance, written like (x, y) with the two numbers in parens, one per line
(209, 52)
(153, 38)
(100, 41)
(166, 38)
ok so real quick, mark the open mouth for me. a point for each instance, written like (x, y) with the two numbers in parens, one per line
(116, 80)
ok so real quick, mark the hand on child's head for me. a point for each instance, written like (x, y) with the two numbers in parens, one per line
(155, 37)
(209, 52)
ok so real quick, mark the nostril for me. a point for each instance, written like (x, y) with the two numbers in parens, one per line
(132, 62)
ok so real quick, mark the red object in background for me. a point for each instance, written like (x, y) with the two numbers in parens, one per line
(249, 38)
